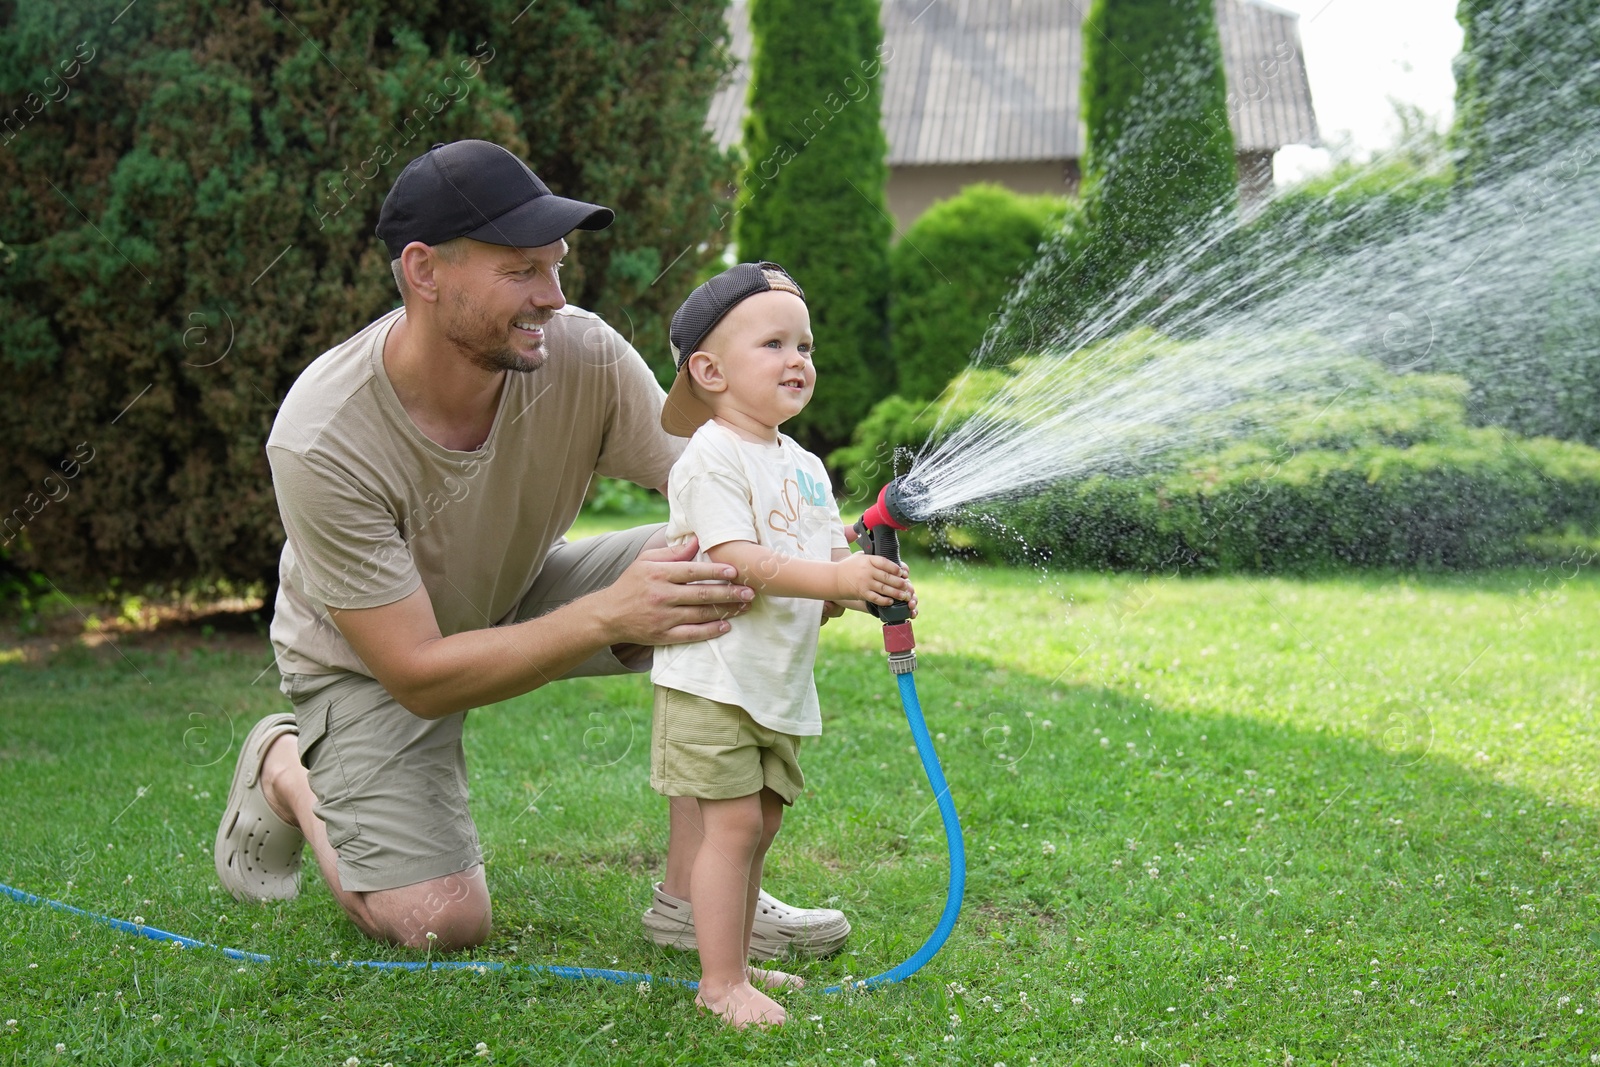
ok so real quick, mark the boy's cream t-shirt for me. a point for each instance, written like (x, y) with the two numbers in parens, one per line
(373, 508)
(724, 488)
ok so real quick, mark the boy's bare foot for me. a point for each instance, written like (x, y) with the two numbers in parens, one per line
(770, 979)
(742, 1005)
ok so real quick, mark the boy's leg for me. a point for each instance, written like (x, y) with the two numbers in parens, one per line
(723, 890)
(577, 568)
(772, 821)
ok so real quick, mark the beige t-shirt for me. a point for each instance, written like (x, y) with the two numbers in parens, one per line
(373, 508)
(724, 489)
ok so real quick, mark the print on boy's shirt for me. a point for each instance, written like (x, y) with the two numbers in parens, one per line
(811, 490)
(804, 512)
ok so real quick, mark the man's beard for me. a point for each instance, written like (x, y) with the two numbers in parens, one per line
(484, 344)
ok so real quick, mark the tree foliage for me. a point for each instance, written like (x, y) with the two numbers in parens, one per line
(812, 192)
(1158, 161)
(1527, 82)
(190, 192)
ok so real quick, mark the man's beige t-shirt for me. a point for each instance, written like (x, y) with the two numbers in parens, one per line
(373, 508)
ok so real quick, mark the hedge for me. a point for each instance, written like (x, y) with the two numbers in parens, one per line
(1389, 475)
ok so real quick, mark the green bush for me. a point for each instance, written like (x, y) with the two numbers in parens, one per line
(1473, 502)
(1390, 475)
(951, 273)
(1351, 207)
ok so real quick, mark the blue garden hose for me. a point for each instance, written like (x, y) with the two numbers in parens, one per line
(936, 940)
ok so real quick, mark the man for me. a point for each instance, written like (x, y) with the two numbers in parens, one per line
(426, 470)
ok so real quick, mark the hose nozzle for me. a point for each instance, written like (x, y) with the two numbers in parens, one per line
(890, 510)
(878, 533)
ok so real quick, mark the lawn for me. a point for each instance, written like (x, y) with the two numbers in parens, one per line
(1209, 821)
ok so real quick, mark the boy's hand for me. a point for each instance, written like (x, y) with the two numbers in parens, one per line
(873, 579)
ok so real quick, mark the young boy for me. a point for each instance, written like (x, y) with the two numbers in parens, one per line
(730, 713)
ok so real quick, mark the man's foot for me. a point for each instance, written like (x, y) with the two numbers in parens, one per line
(769, 979)
(257, 854)
(742, 1005)
(779, 928)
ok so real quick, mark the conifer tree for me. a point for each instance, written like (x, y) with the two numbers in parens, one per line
(188, 193)
(1158, 162)
(812, 193)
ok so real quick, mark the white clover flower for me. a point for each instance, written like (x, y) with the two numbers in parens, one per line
(138, 920)
(644, 989)
(1048, 848)
(1077, 1001)
(60, 1047)
(156, 1018)
(353, 1061)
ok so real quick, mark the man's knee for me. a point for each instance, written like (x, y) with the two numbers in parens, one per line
(445, 914)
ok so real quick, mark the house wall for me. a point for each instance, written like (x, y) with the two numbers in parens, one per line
(913, 188)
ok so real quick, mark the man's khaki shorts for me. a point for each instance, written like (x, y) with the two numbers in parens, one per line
(391, 787)
(702, 748)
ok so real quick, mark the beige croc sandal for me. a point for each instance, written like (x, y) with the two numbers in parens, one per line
(257, 854)
(779, 929)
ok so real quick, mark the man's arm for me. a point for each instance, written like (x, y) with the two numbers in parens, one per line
(432, 676)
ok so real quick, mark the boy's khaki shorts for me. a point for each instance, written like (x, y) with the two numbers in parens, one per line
(714, 751)
(392, 787)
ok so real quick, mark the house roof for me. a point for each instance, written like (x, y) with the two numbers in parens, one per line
(988, 81)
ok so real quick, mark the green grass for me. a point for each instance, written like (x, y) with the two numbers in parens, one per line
(1218, 821)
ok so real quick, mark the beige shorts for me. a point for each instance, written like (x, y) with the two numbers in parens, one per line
(702, 748)
(392, 787)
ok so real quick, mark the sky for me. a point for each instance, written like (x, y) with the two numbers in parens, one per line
(1358, 54)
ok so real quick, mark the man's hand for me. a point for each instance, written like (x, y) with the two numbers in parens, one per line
(665, 598)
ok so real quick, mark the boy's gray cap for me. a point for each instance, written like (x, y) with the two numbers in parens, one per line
(709, 304)
(479, 190)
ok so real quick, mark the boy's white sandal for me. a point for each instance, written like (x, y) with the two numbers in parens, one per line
(780, 929)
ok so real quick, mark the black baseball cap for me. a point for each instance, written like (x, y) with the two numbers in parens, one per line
(709, 304)
(479, 190)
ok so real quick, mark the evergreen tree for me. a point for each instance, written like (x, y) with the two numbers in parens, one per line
(1527, 141)
(1158, 162)
(1527, 84)
(189, 197)
(811, 193)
